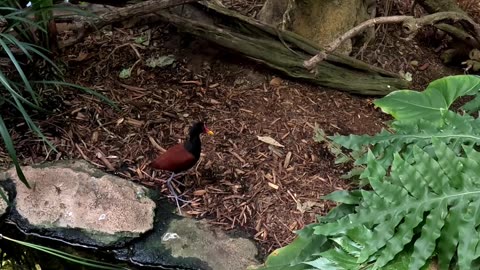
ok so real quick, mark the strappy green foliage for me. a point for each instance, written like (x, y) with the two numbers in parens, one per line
(25, 259)
(422, 196)
(19, 40)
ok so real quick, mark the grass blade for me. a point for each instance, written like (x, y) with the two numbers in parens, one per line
(85, 89)
(10, 85)
(67, 256)
(19, 70)
(31, 124)
(11, 151)
(35, 49)
(14, 41)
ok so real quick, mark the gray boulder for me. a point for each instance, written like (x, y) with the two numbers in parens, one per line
(72, 204)
(72, 200)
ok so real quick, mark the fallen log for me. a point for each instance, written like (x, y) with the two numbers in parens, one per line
(283, 51)
(89, 25)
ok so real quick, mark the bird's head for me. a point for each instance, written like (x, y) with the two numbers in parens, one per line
(199, 128)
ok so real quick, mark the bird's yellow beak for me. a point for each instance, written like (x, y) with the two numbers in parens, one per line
(208, 131)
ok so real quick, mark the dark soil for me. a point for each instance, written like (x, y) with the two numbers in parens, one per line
(240, 182)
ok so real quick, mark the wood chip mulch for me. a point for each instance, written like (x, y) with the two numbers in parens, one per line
(240, 182)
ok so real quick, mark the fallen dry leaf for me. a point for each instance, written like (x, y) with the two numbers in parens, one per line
(276, 81)
(199, 192)
(272, 185)
(287, 160)
(82, 56)
(269, 140)
(306, 206)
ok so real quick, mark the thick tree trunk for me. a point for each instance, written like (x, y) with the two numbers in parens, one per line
(319, 21)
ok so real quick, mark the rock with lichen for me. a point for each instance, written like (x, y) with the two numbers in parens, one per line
(73, 204)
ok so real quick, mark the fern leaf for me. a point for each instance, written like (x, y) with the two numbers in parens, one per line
(382, 234)
(448, 241)
(409, 177)
(343, 196)
(456, 130)
(403, 236)
(449, 163)
(396, 207)
(468, 236)
(430, 171)
(425, 245)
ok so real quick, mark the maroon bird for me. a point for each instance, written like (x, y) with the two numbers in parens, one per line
(181, 157)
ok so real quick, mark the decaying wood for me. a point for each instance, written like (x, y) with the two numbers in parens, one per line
(459, 31)
(120, 14)
(283, 51)
(411, 25)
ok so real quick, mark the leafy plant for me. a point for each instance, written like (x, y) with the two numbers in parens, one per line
(419, 116)
(421, 202)
(20, 30)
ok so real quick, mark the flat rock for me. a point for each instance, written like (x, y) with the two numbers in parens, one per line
(75, 196)
(79, 205)
(194, 244)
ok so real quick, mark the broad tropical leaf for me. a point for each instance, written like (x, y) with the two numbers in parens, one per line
(432, 103)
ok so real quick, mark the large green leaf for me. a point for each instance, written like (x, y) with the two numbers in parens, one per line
(432, 103)
(424, 175)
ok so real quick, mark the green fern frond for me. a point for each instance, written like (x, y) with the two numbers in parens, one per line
(438, 196)
(455, 130)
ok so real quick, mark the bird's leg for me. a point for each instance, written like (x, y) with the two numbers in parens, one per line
(179, 175)
(174, 194)
(172, 191)
(180, 184)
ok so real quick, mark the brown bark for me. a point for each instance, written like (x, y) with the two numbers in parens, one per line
(463, 31)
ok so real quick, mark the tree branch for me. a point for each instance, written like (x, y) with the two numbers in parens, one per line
(411, 25)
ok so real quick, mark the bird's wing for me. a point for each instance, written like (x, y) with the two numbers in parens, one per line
(176, 159)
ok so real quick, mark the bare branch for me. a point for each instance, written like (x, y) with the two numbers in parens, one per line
(411, 25)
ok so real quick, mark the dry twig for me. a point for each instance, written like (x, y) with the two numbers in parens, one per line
(411, 25)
